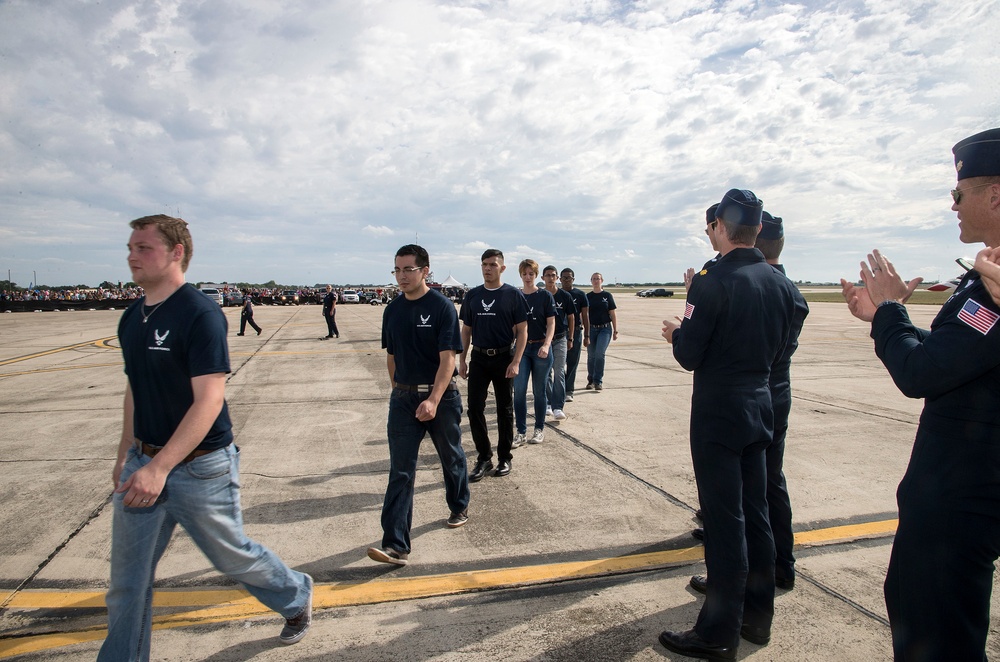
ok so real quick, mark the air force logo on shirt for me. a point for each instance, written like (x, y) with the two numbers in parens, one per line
(160, 339)
(424, 322)
(487, 306)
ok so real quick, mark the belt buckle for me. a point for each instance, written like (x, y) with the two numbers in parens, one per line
(492, 351)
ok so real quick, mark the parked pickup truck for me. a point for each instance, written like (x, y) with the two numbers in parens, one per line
(659, 292)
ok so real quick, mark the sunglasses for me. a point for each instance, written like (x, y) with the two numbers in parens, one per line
(956, 194)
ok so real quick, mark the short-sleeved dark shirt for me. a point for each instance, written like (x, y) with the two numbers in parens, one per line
(416, 332)
(601, 305)
(492, 315)
(184, 337)
(541, 307)
(580, 300)
(564, 308)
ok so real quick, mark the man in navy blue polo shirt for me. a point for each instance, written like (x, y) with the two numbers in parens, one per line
(495, 328)
(420, 335)
(177, 463)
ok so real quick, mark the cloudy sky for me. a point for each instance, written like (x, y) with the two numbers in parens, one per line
(306, 140)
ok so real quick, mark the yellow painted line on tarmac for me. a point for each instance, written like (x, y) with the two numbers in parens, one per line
(213, 606)
(100, 342)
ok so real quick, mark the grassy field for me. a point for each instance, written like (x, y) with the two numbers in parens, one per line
(812, 293)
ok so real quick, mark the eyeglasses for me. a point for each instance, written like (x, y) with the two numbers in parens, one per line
(405, 270)
(713, 224)
(956, 194)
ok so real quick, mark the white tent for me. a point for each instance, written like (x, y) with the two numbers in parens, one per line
(451, 281)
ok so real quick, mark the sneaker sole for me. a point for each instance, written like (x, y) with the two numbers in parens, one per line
(457, 525)
(376, 554)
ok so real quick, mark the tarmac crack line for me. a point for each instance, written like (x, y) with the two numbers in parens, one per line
(41, 566)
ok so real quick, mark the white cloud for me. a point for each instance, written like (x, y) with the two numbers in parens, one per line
(378, 230)
(569, 128)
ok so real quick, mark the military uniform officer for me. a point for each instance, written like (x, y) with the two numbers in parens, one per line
(940, 575)
(737, 323)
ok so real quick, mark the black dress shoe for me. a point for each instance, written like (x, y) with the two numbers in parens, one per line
(699, 583)
(481, 469)
(697, 515)
(690, 644)
(698, 534)
(783, 583)
(755, 635)
(503, 469)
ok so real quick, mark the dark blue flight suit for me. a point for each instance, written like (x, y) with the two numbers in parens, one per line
(740, 317)
(779, 506)
(937, 588)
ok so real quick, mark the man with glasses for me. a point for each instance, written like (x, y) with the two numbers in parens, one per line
(581, 329)
(495, 328)
(940, 575)
(420, 335)
(561, 342)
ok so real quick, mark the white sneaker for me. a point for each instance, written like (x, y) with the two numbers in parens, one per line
(569, 397)
(548, 411)
(559, 415)
(518, 440)
(537, 438)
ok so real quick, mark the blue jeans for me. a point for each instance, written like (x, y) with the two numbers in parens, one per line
(573, 359)
(203, 496)
(538, 370)
(405, 434)
(598, 347)
(555, 388)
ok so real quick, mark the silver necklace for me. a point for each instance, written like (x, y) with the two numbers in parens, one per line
(146, 317)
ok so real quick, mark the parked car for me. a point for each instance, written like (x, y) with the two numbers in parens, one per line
(660, 292)
(233, 298)
(213, 294)
(351, 296)
(643, 293)
(287, 298)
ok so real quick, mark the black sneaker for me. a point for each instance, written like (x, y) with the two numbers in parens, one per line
(590, 386)
(387, 555)
(296, 628)
(503, 469)
(598, 387)
(458, 519)
(482, 468)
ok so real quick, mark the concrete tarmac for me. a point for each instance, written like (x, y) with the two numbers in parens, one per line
(582, 553)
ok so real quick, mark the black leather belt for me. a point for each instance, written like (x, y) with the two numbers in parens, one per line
(600, 326)
(559, 336)
(151, 451)
(493, 351)
(424, 388)
(535, 342)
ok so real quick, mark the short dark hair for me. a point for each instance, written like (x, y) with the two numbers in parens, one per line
(771, 248)
(569, 271)
(172, 230)
(418, 252)
(740, 235)
(492, 252)
(550, 267)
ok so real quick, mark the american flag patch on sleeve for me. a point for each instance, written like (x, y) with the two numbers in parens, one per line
(689, 311)
(978, 317)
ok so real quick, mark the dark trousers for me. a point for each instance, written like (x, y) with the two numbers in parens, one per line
(739, 549)
(331, 324)
(485, 371)
(940, 575)
(247, 319)
(573, 360)
(779, 506)
(405, 433)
